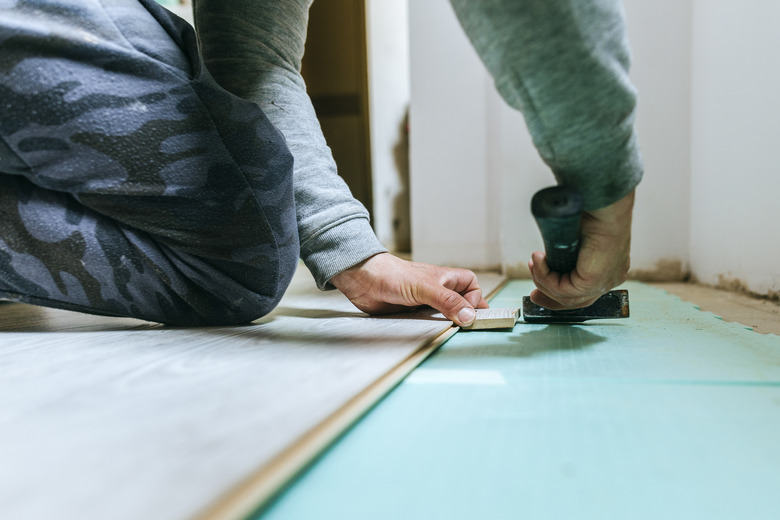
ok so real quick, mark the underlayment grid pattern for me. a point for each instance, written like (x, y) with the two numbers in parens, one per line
(670, 414)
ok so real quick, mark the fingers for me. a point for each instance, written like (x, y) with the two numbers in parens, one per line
(385, 283)
(455, 293)
(465, 283)
(602, 263)
(559, 291)
(454, 306)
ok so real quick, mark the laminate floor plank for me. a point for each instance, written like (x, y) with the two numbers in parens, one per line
(123, 419)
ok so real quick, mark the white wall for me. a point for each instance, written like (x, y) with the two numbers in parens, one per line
(474, 169)
(660, 36)
(387, 32)
(452, 216)
(736, 137)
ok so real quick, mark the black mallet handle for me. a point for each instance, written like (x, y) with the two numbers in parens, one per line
(557, 211)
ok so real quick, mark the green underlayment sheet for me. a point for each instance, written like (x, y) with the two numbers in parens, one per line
(670, 414)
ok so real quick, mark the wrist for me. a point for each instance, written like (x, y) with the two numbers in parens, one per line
(619, 206)
(352, 276)
(618, 213)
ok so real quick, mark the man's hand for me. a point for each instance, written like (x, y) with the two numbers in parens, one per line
(602, 264)
(385, 283)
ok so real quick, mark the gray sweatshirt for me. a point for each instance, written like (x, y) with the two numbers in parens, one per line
(563, 63)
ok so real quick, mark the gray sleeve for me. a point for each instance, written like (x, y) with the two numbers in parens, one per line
(253, 48)
(564, 64)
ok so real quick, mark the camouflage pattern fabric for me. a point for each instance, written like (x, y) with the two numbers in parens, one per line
(131, 184)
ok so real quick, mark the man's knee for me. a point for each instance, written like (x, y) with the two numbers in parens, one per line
(236, 294)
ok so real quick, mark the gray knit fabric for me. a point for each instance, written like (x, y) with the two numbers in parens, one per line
(564, 64)
(254, 48)
(131, 184)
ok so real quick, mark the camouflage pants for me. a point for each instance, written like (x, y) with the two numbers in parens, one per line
(131, 184)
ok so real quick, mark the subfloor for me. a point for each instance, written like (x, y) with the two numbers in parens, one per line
(762, 315)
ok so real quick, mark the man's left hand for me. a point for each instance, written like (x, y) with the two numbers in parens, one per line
(385, 283)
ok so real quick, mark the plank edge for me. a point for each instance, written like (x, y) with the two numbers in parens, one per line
(250, 495)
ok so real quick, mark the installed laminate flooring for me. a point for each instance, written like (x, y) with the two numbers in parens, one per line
(124, 419)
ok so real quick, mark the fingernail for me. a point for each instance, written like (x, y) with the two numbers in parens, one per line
(466, 315)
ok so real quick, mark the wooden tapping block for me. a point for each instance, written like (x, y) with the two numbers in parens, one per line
(495, 318)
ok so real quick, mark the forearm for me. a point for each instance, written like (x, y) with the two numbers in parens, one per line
(564, 64)
(253, 48)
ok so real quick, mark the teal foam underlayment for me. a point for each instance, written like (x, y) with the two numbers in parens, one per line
(670, 414)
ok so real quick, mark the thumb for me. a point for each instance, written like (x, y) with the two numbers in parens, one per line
(450, 303)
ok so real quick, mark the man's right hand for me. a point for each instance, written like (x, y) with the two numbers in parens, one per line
(602, 264)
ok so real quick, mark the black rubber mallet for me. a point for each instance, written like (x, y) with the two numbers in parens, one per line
(558, 211)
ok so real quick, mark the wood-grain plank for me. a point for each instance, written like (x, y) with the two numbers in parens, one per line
(118, 418)
(495, 318)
